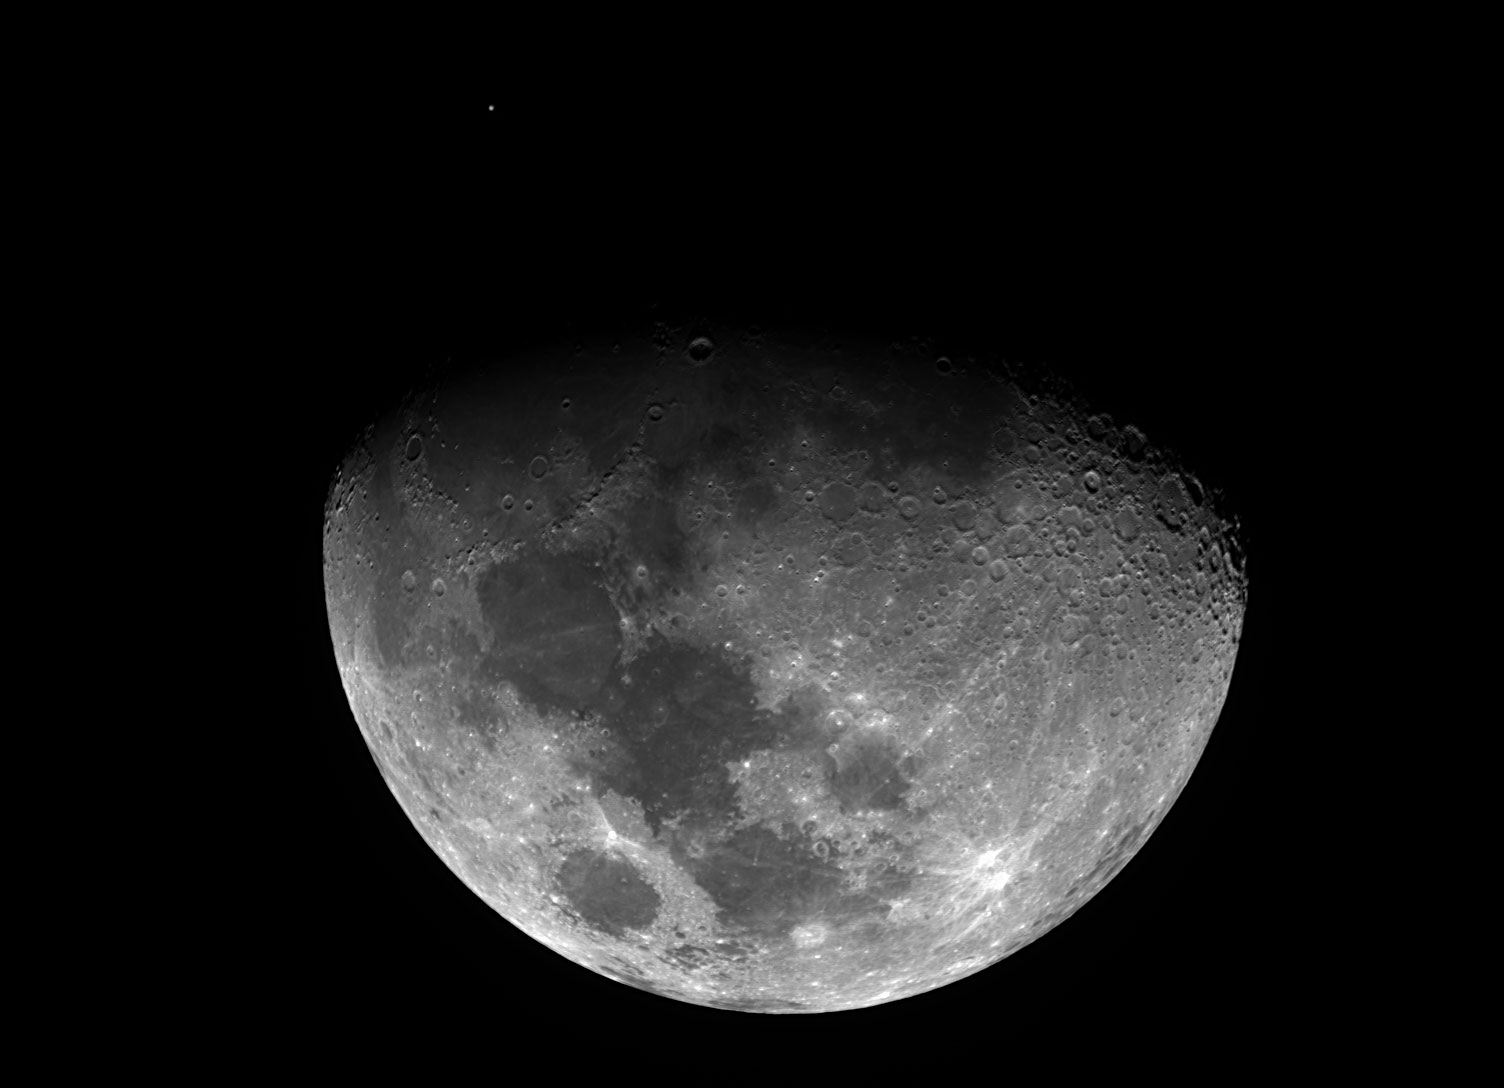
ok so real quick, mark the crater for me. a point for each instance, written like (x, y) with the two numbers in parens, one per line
(607, 892)
(838, 501)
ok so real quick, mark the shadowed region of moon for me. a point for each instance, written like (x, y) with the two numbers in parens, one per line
(772, 674)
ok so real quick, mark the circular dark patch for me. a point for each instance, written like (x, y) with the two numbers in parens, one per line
(608, 893)
(414, 448)
(838, 501)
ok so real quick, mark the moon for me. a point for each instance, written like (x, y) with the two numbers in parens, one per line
(772, 673)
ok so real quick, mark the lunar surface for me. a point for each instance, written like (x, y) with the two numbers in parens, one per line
(771, 674)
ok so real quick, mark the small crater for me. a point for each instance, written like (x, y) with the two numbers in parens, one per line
(838, 501)
(849, 549)
(1018, 541)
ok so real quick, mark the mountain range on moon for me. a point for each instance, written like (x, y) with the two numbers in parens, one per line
(774, 671)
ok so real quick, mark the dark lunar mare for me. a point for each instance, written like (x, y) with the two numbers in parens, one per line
(766, 883)
(555, 631)
(678, 714)
(608, 893)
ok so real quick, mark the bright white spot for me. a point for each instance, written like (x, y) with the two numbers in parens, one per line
(810, 936)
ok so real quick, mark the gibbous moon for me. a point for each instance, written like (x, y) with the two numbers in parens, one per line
(768, 676)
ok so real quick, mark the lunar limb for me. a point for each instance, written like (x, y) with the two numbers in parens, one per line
(770, 677)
